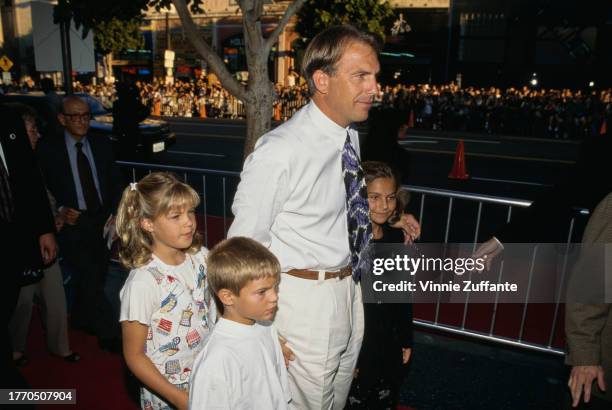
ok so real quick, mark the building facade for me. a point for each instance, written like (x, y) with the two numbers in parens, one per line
(565, 43)
(482, 42)
(221, 26)
(16, 35)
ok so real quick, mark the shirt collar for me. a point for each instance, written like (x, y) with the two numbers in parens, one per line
(71, 141)
(235, 328)
(328, 126)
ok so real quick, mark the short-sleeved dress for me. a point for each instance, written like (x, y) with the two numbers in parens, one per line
(175, 302)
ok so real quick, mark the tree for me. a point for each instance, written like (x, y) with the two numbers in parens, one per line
(258, 93)
(367, 15)
(114, 36)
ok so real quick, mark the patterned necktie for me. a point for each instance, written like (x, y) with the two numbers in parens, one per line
(358, 211)
(7, 207)
(90, 193)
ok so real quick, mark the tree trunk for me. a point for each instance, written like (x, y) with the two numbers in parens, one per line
(260, 94)
(258, 119)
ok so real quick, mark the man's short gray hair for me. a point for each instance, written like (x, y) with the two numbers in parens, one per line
(71, 99)
(327, 48)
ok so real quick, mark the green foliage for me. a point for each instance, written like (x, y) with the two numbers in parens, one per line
(115, 35)
(90, 13)
(373, 16)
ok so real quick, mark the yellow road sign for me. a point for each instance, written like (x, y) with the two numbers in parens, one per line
(5, 63)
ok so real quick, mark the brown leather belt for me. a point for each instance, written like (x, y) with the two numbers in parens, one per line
(314, 275)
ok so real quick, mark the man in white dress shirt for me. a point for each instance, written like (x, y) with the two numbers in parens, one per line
(292, 199)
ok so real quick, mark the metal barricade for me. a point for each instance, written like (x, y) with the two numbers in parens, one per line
(451, 200)
(217, 189)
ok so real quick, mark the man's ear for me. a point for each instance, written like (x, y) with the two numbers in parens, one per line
(226, 297)
(62, 119)
(147, 225)
(321, 81)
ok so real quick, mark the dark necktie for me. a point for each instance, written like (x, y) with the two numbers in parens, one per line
(7, 207)
(87, 180)
(358, 211)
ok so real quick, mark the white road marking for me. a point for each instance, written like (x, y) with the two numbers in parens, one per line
(199, 134)
(406, 142)
(455, 139)
(510, 157)
(201, 154)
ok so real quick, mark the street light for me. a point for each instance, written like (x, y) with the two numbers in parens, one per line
(534, 82)
(591, 84)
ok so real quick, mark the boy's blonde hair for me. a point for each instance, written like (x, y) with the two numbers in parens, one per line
(156, 194)
(233, 263)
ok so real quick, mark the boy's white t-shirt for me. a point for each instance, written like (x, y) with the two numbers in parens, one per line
(240, 367)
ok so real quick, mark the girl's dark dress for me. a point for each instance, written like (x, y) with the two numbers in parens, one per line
(388, 329)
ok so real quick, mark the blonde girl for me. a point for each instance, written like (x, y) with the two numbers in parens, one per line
(166, 309)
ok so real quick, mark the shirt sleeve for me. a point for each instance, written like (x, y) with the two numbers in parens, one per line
(584, 325)
(140, 297)
(262, 191)
(215, 382)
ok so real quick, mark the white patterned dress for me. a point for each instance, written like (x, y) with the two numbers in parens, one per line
(175, 302)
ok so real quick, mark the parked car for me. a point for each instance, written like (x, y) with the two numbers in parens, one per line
(156, 134)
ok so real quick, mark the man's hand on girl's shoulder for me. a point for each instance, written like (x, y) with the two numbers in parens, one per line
(410, 226)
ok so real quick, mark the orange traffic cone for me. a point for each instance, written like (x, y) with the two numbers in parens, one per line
(203, 110)
(604, 128)
(411, 119)
(459, 171)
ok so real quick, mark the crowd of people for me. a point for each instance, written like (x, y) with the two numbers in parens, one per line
(526, 111)
(544, 113)
(195, 98)
(515, 111)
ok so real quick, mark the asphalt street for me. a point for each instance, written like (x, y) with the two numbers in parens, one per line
(514, 167)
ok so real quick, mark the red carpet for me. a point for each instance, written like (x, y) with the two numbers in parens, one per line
(98, 378)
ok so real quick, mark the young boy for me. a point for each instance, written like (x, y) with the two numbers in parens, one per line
(242, 365)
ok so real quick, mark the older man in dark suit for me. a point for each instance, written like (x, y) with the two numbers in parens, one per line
(81, 173)
(25, 222)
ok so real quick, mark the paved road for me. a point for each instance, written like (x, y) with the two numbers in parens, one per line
(509, 166)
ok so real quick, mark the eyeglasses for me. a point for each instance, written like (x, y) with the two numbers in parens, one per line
(78, 117)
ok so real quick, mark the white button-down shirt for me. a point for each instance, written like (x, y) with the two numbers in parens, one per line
(291, 195)
(70, 142)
